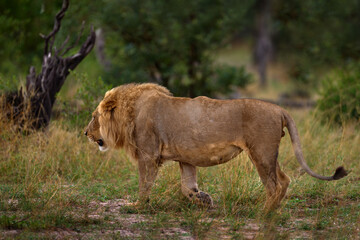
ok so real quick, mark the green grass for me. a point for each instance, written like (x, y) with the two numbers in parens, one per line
(57, 184)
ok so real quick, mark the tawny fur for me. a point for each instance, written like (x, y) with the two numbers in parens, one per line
(153, 127)
(119, 105)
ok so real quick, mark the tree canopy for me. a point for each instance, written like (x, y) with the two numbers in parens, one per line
(172, 42)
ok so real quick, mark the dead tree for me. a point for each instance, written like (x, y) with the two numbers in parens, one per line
(31, 107)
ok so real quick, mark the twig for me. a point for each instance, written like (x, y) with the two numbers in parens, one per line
(59, 16)
(77, 39)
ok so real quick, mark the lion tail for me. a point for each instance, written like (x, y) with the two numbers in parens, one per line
(340, 172)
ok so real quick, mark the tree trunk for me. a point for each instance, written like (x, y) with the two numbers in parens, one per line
(100, 49)
(31, 107)
(263, 47)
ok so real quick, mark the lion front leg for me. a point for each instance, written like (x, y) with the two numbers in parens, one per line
(147, 174)
(189, 186)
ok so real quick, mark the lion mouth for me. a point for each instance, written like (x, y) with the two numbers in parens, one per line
(100, 142)
(102, 146)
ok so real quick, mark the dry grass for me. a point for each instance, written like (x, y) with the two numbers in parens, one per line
(56, 183)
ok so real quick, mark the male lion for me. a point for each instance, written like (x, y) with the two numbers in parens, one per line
(153, 127)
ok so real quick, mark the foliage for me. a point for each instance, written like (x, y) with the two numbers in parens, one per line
(170, 43)
(340, 95)
(311, 34)
(8, 84)
(227, 77)
(89, 92)
(23, 21)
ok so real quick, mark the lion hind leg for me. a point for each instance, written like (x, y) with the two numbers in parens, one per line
(284, 181)
(189, 187)
(274, 180)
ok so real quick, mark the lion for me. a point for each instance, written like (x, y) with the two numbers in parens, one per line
(153, 126)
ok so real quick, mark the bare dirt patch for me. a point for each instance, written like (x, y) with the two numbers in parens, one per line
(118, 218)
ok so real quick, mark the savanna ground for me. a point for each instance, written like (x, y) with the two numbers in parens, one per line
(55, 184)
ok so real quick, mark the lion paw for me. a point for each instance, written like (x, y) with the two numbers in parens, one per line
(203, 198)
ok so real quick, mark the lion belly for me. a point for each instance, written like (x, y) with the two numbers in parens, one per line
(216, 155)
(202, 156)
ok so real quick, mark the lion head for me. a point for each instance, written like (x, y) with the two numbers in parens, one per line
(92, 131)
(102, 129)
(112, 124)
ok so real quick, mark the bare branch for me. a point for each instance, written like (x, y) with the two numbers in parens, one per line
(85, 49)
(62, 46)
(56, 28)
(77, 39)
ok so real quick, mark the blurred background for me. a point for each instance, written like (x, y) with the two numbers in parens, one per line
(303, 51)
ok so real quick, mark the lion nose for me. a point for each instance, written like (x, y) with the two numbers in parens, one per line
(85, 133)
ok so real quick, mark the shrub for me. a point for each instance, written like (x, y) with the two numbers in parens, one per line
(340, 96)
(8, 84)
(89, 93)
(227, 77)
(176, 54)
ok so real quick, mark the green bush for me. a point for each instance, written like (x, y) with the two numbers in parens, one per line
(8, 84)
(171, 42)
(340, 96)
(88, 95)
(309, 35)
(226, 77)
(91, 91)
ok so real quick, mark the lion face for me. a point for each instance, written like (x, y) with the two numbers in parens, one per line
(92, 131)
(113, 121)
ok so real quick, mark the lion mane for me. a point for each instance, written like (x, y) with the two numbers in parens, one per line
(117, 114)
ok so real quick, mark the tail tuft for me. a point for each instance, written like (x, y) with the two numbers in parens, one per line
(340, 173)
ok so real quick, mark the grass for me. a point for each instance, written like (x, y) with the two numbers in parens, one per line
(57, 184)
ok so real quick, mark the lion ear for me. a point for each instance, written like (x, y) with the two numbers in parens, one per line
(107, 106)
